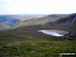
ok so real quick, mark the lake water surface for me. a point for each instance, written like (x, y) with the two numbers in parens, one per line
(57, 33)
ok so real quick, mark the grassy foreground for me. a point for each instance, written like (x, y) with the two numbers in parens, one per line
(36, 48)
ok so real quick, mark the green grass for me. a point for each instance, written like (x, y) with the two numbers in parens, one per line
(30, 43)
(36, 48)
(30, 35)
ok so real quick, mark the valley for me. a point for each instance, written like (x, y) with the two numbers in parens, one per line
(25, 40)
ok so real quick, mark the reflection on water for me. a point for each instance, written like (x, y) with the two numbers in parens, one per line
(57, 33)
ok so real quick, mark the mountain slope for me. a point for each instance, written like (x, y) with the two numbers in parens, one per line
(30, 32)
(8, 20)
(39, 21)
(65, 22)
(68, 22)
(11, 20)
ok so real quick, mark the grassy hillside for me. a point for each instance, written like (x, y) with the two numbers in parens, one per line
(26, 41)
(39, 21)
(11, 20)
(63, 22)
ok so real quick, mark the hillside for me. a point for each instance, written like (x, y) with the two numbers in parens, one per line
(3, 26)
(30, 32)
(8, 20)
(26, 41)
(39, 21)
(64, 22)
(11, 20)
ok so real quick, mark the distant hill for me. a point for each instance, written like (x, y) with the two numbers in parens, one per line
(11, 20)
(39, 21)
(3, 26)
(62, 22)
(8, 20)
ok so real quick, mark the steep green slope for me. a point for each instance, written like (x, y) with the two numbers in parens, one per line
(67, 23)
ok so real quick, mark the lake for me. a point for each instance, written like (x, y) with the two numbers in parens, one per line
(58, 33)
